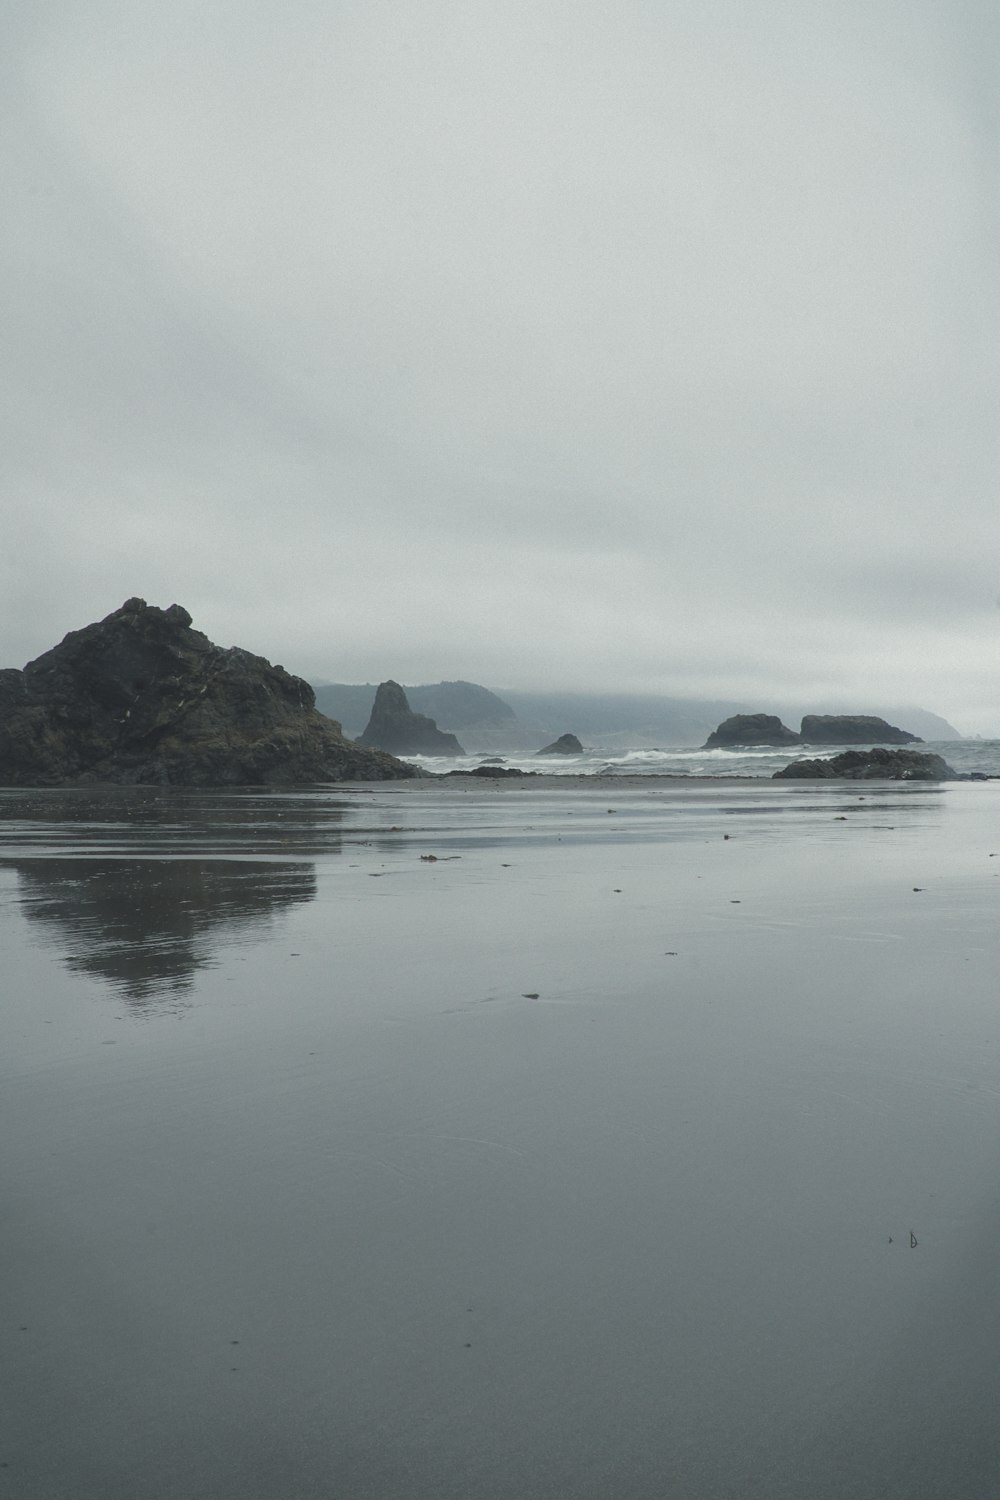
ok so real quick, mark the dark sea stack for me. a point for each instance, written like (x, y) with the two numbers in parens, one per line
(566, 744)
(394, 726)
(464, 706)
(140, 698)
(871, 765)
(853, 729)
(744, 730)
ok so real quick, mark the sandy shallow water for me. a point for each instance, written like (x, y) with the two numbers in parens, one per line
(643, 1142)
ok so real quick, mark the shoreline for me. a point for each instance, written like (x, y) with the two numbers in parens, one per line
(553, 780)
(526, 781)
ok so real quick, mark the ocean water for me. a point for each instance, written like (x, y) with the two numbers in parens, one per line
(445, 1139)
(964, 756)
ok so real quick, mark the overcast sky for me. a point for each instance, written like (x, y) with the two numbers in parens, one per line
(647, 345)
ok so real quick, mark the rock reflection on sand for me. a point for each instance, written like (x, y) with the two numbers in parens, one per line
(147, 926)
(139, 886)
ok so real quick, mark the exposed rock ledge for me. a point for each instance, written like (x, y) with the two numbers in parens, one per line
(870, 765)
(140, 697)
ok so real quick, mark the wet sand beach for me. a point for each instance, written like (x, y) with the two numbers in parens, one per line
(554, 1137)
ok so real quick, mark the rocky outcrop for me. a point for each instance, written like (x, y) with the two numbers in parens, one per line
(870, 765)
(853, 729)
(750, 729)
(142, 698)
(394, 726)
(495, 772)
(566, 744)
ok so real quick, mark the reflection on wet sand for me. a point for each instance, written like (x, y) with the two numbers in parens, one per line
(587, 1163)
(139, 886)
(146, 926)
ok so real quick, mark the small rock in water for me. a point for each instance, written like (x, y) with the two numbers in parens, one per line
(566, 744)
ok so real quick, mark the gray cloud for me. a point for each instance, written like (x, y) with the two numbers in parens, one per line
(532, 343)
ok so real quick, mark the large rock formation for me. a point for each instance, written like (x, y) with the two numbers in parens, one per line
(140, 697)
(853, 729)
(750, 729)
(394, 726)
(566, 744)
(870, 765)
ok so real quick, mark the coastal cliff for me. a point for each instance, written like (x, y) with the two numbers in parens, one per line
(140, 697)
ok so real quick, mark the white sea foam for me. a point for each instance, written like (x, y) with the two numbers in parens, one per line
(965, 756)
